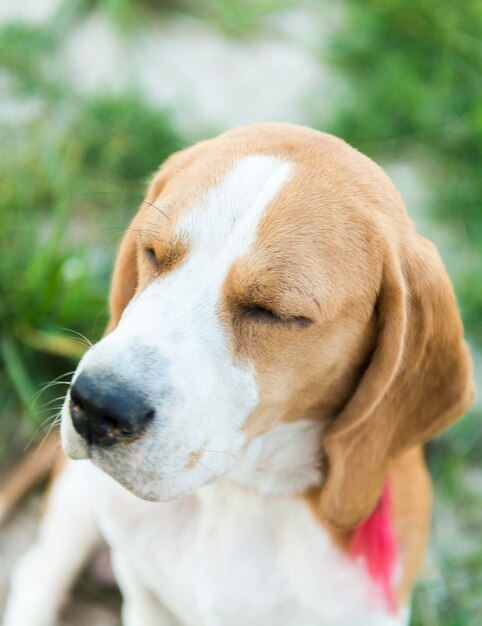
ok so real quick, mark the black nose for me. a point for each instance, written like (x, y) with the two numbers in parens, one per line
(105, 412)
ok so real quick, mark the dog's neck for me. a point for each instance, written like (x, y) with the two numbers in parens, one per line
(287, 460)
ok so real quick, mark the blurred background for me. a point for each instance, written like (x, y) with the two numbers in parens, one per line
(94, 94)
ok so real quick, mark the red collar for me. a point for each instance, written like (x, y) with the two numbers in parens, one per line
(374, 541)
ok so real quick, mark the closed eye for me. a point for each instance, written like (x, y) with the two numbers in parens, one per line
(150, 254)
(167, 257)
(261, 314)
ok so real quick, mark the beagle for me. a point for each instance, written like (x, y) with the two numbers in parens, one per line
(247, 435)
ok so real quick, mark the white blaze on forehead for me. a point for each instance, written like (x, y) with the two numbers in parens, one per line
(218, 229)
(230, 214)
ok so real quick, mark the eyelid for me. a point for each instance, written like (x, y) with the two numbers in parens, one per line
(257, 311)
(150, 253)
(262, 314)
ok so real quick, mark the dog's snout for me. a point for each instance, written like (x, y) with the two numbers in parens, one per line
(105, 412)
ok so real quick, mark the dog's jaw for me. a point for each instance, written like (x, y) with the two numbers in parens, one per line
(286, 460)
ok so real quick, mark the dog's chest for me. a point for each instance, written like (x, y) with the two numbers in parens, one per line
(229, 555)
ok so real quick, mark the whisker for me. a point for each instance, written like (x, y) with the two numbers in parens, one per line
(47, 434)
(50, 384)
(123, 195)
(58, 377)
(51, 410)
(47, 425)
(47, 409)
(47, 404)
(157, 209)
(87, 341)
(54, 383)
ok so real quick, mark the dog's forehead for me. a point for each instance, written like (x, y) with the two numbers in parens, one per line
(219, 204)
(288, 199)
(239, 172)
(228, 214)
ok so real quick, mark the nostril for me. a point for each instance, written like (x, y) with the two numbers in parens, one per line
(76, 401)
(109, 422)
(149, 415)
(113, 426)
(80, 418)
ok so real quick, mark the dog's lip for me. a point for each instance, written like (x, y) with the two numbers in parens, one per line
(76, 452)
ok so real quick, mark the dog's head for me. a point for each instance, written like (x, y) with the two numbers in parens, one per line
(271, 275)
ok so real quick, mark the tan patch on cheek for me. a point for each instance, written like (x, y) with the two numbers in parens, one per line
(310, 375)
(194, 458)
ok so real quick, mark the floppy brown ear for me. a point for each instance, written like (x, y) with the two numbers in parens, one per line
(125, 277)
(419, 380)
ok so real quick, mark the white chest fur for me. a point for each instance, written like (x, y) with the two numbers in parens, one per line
(231, 555)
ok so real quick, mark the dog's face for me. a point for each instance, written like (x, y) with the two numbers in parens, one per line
(249, 291)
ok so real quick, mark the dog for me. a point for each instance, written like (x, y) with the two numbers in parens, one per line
(247, 434)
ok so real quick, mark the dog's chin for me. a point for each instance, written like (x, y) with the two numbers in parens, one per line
(146, 482)
(137, 467)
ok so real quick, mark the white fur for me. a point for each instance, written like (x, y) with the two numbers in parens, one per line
(287, 460)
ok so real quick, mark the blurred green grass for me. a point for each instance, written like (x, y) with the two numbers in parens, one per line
(73, 175)
(75, 168)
